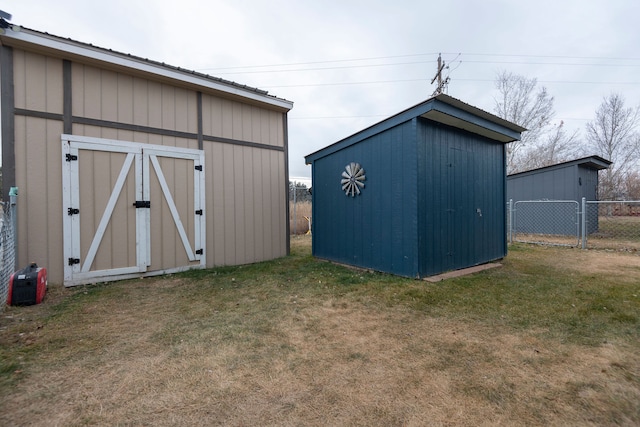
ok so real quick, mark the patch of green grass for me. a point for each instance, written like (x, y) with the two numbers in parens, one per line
(529, 292)
(619, 227)
(8, 370)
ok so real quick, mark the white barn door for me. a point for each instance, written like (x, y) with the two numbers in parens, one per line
(130, 209)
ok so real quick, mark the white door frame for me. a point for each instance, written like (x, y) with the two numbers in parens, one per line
(142, 157)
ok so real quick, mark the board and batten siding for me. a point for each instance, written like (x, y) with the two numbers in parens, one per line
(244, 145)
(377, 228)
(555, 184)
(461, 208)
(572, 182)
(38, 87)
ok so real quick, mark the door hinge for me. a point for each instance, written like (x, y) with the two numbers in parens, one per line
(199, 168)
(199, 212)
(199, 252)
(73, 261)
(71, 157)
(142, 204)
(73, 211)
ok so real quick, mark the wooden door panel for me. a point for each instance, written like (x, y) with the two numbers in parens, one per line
(133, 209)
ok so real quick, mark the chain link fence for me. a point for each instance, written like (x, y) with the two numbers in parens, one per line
(587, 224)
(8, 245)
(613, 225)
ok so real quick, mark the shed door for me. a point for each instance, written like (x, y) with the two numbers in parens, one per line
(460, 207)
(130, 209)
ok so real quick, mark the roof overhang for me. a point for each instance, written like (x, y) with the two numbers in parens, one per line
(595, 162)
(441, 109)
(472, 119)
(440, 117)
(47, 44)
(591, 162)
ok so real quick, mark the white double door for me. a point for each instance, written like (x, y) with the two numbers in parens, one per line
(130, 209)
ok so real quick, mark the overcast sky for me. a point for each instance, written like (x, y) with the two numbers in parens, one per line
(348, 64)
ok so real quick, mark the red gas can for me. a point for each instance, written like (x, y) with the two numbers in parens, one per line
(27, 286)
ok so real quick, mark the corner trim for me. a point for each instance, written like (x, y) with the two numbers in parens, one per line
(7, 102)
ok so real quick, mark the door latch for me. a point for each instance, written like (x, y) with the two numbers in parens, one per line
(142, 204)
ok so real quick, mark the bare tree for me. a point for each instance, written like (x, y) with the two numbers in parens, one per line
(632, 186)
(556, 146)
(520, 101)
(613, 134)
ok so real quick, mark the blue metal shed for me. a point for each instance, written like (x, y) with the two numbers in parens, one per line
(417, 194)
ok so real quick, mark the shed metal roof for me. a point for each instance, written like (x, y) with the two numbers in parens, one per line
(441, 108)
(592, 162)
(45, 43)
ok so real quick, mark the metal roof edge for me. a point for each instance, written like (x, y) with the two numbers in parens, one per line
(422, 109)
(479, 112)
(594, 161)
(26, 36)
(470, 120)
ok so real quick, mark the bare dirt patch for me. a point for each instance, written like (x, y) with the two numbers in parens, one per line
(609, 262)
(596, 261)
(336, 364)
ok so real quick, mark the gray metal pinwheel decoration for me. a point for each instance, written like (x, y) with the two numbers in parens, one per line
(352, 179)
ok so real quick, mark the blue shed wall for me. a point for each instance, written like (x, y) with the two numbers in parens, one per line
(377, 229)
(461, 198)
(555, 184)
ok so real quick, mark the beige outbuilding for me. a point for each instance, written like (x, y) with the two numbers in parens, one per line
(127, 167)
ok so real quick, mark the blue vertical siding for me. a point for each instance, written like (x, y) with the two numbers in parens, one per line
(462, 201)
(377, 229)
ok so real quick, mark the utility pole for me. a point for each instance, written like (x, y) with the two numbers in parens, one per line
(442, 83)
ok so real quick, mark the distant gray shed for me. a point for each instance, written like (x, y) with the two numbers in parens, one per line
(568, 181)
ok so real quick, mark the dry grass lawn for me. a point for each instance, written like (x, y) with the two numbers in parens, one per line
(299, 341)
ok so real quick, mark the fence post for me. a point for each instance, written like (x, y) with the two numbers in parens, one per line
(584, 223)
(295, 218)
(510, 221)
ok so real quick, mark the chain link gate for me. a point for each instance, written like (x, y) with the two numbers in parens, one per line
(550, 222)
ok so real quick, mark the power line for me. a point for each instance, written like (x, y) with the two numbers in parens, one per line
(425, 62)
(564, 57)
(426, 79)
(439, 76)
(325, 68)
(603, 58)
(343, 83)
(318, 62)
(580, 64)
